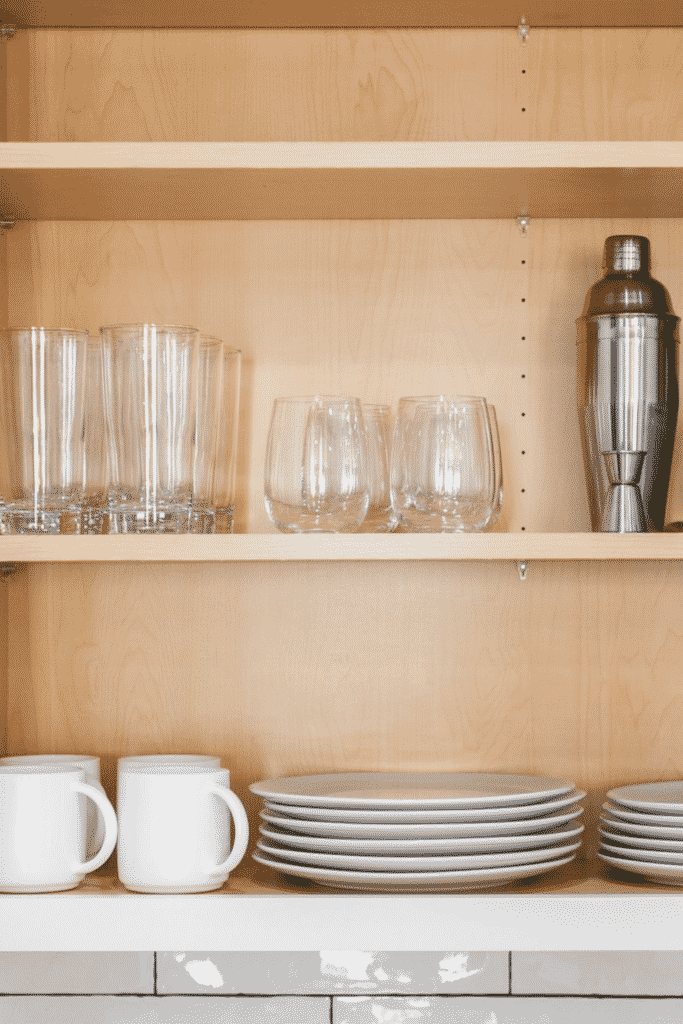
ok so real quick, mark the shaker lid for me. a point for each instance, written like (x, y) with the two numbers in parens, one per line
(626, 253)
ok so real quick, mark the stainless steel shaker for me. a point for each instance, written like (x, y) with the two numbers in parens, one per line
(627, 390)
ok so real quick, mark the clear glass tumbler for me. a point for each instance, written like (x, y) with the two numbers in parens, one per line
(43, 375)
(215, 450)
(315, 474)
(442, 467)
(498, 466)
(150, 400)
(380, 517)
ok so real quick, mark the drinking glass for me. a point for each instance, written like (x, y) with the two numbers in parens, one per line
(380, 517)
(498, 466)
(43, 375)
(215, 450)
(150, 400)
(442, 467)
(315, 474)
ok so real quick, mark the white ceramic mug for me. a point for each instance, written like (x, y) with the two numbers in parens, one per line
(91, 766)
(174, 829)
(43, 825)
(209, 760)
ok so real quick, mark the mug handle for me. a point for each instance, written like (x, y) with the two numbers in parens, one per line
(110, 827)
(239, 817)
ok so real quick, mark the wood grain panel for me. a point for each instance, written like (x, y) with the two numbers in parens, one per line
(612, 84)
(271, 13)
(269, 86)
(362, 667)
(376, 309)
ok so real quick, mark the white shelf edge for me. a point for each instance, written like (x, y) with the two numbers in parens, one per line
(311, 922)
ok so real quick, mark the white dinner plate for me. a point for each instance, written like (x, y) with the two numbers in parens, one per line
(654, 797)
(641, 818)
(661, 856)
(412, 789)
(670, 873)
(447, 830)
(631, 828)
(413, 881)
(644, 842)
(420, 816)
(421, 847)
(403, 864)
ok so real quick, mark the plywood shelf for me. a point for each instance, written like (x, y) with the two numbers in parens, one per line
(265, 547)
(339, 180)
(272, 13)
(264, 911)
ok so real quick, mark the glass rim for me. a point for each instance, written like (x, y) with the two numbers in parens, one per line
(185, 328)
(309, 399)
(228, 350)
(452, 399)
(45, 330)
(376, 406)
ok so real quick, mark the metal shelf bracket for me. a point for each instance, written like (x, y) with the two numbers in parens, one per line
(522, 569)
(7, 32)
(523, 31)
(6, 225)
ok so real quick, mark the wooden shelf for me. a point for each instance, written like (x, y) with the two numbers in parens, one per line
(260, 910)
(273, 13)
(275, 547)
(339, 180)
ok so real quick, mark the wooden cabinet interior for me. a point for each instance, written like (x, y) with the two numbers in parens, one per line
(355, 666)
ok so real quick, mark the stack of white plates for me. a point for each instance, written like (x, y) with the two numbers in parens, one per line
(380, 831)
(642, 830)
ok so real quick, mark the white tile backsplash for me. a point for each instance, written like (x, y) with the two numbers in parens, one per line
(37, 973)
(497, 1010)
(598, 972)
(333, 972)
(170, 1010)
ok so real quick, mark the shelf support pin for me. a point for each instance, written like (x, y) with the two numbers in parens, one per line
(523, 30)
(523, 223)
(522, 568)
(7, 32)
(6, 225)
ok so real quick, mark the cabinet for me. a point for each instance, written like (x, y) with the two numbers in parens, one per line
(342, 204)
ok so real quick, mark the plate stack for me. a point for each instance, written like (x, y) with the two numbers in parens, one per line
(415, 832)
(642, 830)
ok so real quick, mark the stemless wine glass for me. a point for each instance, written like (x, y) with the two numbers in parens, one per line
(315, 474)
(442, 467)
(380, 517)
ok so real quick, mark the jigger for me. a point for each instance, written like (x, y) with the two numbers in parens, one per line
(624, 510)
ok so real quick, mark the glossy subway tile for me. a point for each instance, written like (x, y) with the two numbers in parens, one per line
(333, 972)
(73, 973)
(598, 972)
(155, 1010)
(503, 1010)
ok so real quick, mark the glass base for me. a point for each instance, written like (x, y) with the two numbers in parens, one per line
(16, 519)
(210, 520)
(169, 519)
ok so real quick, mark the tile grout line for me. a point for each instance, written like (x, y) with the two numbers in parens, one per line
(331, 1009)
(155, 973)
(510, 973)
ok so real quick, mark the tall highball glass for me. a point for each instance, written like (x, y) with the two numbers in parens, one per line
(45, 379)
(150, 401)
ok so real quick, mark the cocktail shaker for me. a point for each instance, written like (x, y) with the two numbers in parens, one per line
(627, 340)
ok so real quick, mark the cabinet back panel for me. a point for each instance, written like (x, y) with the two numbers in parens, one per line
(378, 309)
(286, 669)
(345, 85)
